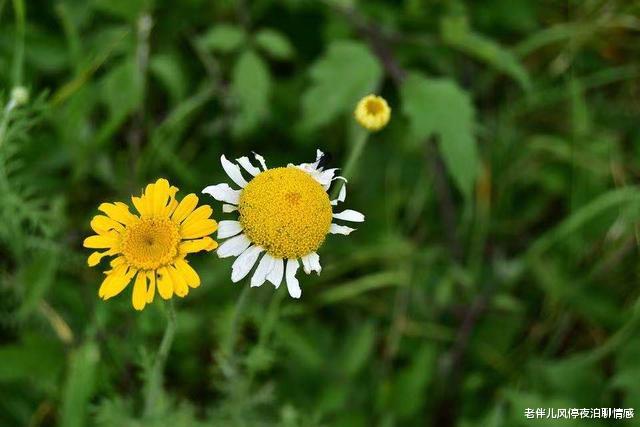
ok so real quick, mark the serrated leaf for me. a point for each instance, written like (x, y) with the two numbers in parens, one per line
(347, 72)
(251, 85)
(440, 107)
(455, 32)
(274, 43)
(223, 38)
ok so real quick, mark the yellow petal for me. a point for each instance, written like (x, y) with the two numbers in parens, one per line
(196, 229)
(116, 281)
(186, 206)
(118, 211)
(204, 244)
(101, 224)
(95, 258)
(164, 283)
(151, 290)
(179, 283)
(102, 241)
(173, 203)
(141, 205)
(139, 296)
(189, 274)
(117, 261)
(160, 196)
(203, 212)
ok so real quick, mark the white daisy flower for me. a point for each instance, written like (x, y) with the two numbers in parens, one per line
(284, 216)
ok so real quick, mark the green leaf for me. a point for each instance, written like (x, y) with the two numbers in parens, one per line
(80, 385)
(223, 38)
(347, 72)
(127, 9)
(274, 43)
(440, 107)
(122, 89)
(168, 70)
(455, 32)
(359, 345)
(613, 199)
(25, 360)
(250, 85)
(301, 347)
(37, 277)
(412, 381)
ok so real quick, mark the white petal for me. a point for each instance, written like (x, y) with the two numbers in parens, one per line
(348, 215)
(327, 175)
(223, 193)
(339, 229)
(244, 263)
(246, 164)
(306, 264)
(229, 208)
(341, 196)
(292, 283)
(264, 268)
(308, 168)
(275, 275)
(260, 159)
(313, 259)
(341, 178)
(233, 171)
(228, 229)
(311, 168)
(234, 246)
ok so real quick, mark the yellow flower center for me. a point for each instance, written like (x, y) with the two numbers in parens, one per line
(285, 211)
(150, 243)
(374, 107)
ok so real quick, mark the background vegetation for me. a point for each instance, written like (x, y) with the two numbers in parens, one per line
(497, 269)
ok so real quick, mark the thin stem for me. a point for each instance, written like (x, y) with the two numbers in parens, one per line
(356, 151)
(154, 385)
(235, 322)
(137, 131)
(18, 59)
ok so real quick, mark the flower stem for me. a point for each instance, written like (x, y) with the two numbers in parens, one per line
(154, 385)
(235, 322)
(357, 148)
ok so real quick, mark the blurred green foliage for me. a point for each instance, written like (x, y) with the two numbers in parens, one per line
(497, 269)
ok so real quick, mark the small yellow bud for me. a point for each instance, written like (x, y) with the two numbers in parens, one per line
(372, 113)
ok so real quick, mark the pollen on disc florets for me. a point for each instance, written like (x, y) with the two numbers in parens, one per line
(150, 243)
(285, 211)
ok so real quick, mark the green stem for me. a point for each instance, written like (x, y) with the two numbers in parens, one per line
(18, 59)
(154, 385)
(235, 322)
(356, 151)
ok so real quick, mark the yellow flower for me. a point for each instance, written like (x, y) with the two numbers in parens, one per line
(372, 112)
(284, 215)
(151, 247)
